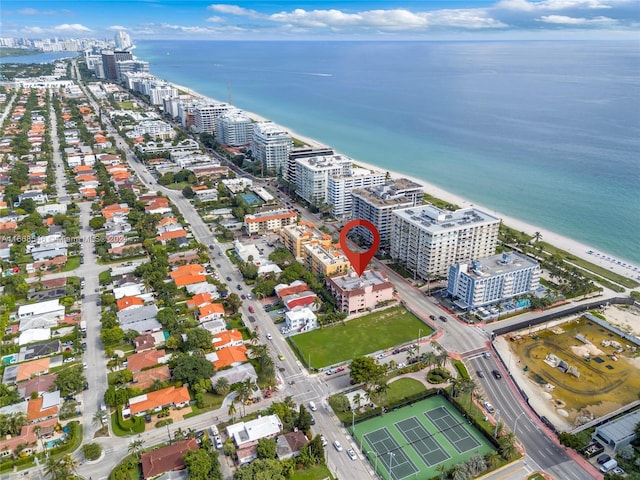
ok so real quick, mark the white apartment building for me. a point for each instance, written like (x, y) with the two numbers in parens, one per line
(155, 128)
(340, 187)
(313, 174)
(205, 116)
(302, 152)
(300, 319)
(376, 204)
(270, 221)
(159, 91)
(234, 128)
(492, 280)
(270, 145)
(427, 240)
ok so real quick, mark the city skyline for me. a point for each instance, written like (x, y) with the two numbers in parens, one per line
(307, 20)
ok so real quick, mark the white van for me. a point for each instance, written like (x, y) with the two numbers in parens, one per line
(608, 465)
(214, 430)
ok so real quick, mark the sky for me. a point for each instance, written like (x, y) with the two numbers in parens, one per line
(322, 20)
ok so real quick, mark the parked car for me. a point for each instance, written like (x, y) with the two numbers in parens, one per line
(352, 454)
(486, 355)
(337, 446)
(496, 374)
(323, 440)
(489, 408)
(312, 407)
(218, 442)
(602, 459)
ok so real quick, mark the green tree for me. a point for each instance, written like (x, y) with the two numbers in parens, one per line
(191, 368)
(97, 222)
(111, 336)
(266, 448)
(365, 370)
(92, 451)
(222, 387)
(303, 422)
(70, 380)
(201, 465)
(198, 339)
(136, 448)
(100, 418)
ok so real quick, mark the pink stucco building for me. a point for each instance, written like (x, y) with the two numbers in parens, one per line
(355, 294)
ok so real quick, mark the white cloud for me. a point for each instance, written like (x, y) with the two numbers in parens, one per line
(117, 27)
(528, 6)
(235, 10)
(215, 19)
(564, 20)
(70, 28)
(33, 11)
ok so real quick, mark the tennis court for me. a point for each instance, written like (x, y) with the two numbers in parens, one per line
(422, 441)
(456, 432)
(414, 441)
(390, 454)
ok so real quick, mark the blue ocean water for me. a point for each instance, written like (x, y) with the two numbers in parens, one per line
(548, 132)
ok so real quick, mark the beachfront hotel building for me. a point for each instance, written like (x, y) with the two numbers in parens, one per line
(234, 128)
(356, 294)
(377, 204)
(313, 173)
(205, 115)
(340, 187)
(325, 261)
(427, 240)
(304, 152)
(269, 221)
(270, 146)
(294, 237)
(492, 280)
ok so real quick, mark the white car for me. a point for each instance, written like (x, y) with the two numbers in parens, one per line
(312, 407)
(489, 408)
(269, 336)
(323, 440)
(352, 454)
(337, 446)
(218, 442)
(249, 296)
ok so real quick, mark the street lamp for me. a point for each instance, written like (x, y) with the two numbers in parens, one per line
(515, 429)
(419, 338)
(495, 432)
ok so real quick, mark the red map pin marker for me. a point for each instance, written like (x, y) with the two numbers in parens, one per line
(359, 260)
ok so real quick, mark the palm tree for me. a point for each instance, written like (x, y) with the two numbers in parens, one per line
(537, 236)
(136, 447)
(442, 471)
(222, 386)
(100, 418)
(255, 351)
(53, 469)
(357, 399)
(441, 359)
(179, 434)
(382, 388)
(507, 448)
(492, 458)
(69, 465)
(232, 410)
(455, 386)
(254, 337)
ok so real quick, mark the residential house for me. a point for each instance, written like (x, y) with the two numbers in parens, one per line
(180, 236)
(357, 293)
(129, 302)
(188, 274)
(44, 407)
(228, 338)
(301, 319)
(140, 319)
(144, 342)
(212, 311)
(51, 308)
(146, 378)
(156, 401)
(236, 374)
(139, 361)
(230, 356)
(290, 444)
(165, 459)
(39, 384)
(247, 433)
(199, 300)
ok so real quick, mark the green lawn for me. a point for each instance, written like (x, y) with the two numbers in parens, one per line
(403, 388)
(72, 263)
(319, 472)
(361, 336)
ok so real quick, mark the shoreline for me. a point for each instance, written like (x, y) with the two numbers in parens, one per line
(569, 245)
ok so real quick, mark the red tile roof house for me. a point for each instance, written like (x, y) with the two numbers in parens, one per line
(212, 311)
(156, 401)
(142, 360)
(145, 378)
(199, 300)
(144, 342)
(129, 302)
(165, 459)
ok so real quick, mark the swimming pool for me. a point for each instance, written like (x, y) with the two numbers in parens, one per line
(53, 443)
(9, 359)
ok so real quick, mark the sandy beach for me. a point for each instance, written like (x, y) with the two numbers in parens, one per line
(572, 246)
